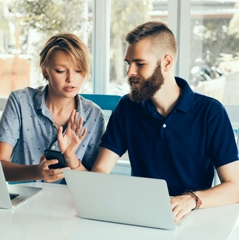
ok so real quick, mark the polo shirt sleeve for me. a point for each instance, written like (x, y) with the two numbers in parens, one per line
(221, 144)
(114, 138)
(10, 121)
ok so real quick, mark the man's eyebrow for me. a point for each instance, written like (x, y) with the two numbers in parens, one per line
(136, 60)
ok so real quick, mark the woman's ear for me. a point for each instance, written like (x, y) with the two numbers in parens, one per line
(44, 73)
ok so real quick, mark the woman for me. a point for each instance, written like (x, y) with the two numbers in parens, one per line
(52, 117)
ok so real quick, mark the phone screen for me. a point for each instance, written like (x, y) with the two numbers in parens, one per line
(52, 154)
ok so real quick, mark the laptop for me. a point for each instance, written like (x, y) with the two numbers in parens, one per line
(13, 195)
(121, 199)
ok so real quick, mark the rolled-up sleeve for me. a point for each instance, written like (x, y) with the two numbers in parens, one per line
(10, 121)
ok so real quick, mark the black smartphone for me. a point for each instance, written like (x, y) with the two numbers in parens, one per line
(52, 154)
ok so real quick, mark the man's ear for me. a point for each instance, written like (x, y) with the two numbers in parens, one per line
(167, 63)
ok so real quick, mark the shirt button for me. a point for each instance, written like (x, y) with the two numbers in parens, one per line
(53, 147)
(164, 126)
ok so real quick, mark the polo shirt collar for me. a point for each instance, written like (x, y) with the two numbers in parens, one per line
(185, 102)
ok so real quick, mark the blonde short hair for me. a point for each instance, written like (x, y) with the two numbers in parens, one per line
(71, 44)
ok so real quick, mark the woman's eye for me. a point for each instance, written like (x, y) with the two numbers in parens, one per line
(78, 71)
(59, 71)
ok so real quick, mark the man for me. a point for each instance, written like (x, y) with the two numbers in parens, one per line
(170, 132)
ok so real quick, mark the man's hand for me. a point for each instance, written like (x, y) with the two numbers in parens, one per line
(182, 205)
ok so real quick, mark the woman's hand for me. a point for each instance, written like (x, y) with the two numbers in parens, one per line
(49, 175)
(73, 136)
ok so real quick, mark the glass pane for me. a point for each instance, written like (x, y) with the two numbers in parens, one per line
(214, 58)
(126, 15)
(26, 26)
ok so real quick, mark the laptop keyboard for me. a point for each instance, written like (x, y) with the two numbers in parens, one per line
(13, 195)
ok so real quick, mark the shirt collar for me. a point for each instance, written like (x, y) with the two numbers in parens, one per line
(186, 100)
(41, 105)
(80, 107)
(40, 97)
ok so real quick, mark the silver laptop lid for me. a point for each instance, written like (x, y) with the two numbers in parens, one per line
(121, 199)
(5, 201)
(23, 192)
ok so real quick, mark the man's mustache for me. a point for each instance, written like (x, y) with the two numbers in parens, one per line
(135, 80)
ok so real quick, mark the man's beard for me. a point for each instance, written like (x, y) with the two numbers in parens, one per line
(148, 87)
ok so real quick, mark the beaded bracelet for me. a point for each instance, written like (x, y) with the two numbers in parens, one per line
(197, 199)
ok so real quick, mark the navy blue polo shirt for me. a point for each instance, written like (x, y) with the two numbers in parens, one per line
(182, 148)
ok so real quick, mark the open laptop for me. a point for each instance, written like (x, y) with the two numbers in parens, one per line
(121, 199)
(12, 195)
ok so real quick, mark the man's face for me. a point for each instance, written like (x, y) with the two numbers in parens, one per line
(144, 71)
(144, 89)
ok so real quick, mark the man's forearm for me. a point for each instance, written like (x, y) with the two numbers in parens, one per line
(222, 194)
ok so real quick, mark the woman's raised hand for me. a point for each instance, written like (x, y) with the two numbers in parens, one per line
(70, 141)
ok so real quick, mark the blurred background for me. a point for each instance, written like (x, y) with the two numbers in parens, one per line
(207, 33)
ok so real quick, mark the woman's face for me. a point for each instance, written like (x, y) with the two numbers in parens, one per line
(65, 79)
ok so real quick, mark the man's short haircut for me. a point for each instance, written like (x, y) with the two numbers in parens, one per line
(162, 37)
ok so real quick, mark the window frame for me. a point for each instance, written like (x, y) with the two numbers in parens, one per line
(178, 16)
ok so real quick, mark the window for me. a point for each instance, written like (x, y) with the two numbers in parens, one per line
(214, 58)
(26, 26)
(210, 63)
(126, 15)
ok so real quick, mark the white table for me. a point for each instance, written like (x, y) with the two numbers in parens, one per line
(52, 215)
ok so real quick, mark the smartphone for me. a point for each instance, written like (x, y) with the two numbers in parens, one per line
(52, 154)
